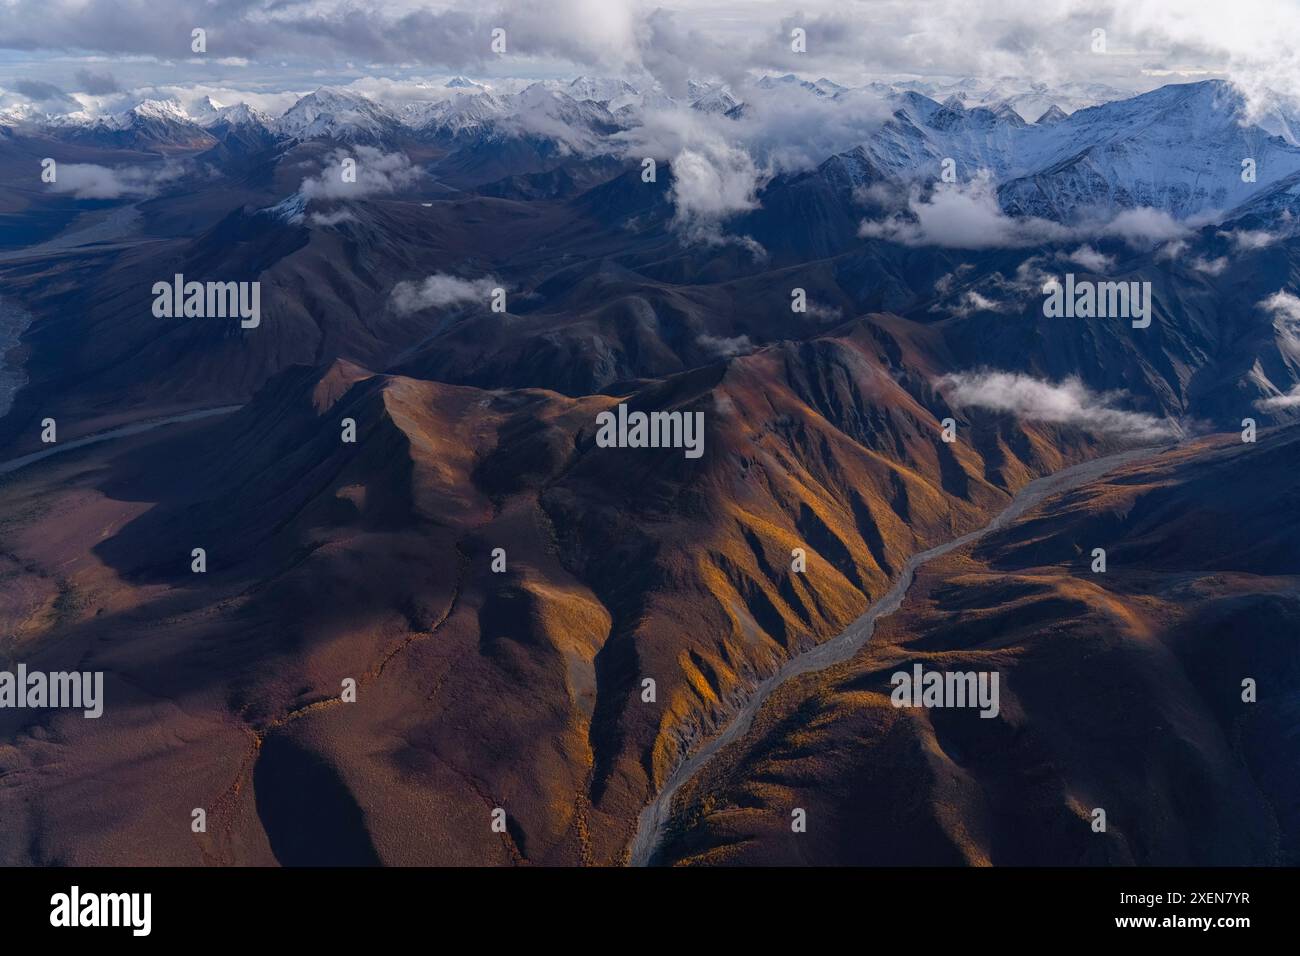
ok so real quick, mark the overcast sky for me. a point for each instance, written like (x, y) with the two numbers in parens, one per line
(52, 47)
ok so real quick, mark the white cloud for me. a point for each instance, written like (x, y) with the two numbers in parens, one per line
(1148, 40)
(377, 173)
(711, 184)
(787, 128)
(1172, 250)
(91, 181)
(713, 179)
(972, 302)
(1069, 402)
(967, 216)
(1141, 227)
(962, 216)
(969, 302)
(331, 218)
(1212, 267)
(1248, 240)
(1282, 402)
(1283, 306)
(1092, 260)
(724, 347)
(440, 290)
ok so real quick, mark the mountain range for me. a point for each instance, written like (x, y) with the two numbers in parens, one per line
(846, 282)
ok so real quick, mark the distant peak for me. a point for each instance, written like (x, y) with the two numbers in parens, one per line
(168, 108)
(1053, 114)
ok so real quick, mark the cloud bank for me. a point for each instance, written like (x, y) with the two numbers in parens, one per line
(91, 181)
(1069, 402)
(1052, 42)
(967, 216)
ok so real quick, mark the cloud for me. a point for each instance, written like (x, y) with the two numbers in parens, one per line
(538, 112)
(711, 183)
(713, 179)
(944, 284)
(1050, 42)
(1211, 267)
(377, 173)
(788, 128)
(824, 313)
(1141, 227)
(271, 102)
(1068, 403)
(331, 218)
(1248, 240)
(441, 290)
(962, 216)
(1172, 250)
(1283, 307)
(47, 94)
(969, 303)
(90, 181)
(1000, 292)
(97, 84)
(1282, 402)
(1092, 260)
(725, 347)
(967, 216)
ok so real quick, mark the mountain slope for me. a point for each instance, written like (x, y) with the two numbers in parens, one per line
(1120, 690)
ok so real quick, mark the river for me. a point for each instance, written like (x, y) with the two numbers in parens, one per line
(655, 817)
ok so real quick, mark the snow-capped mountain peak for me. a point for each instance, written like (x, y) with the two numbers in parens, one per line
(150, 110)
(1053, 114)
(238, 116)
(712, 99)
(337, 114)
(456, 114)
(603, 89)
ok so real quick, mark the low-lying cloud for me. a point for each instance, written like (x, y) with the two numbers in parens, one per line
(1248, 240)
(1092, 260)
(441, 290)
(91, 181)
(713, 178)
(377, 173)
(1283, 402)
(967, 216)
(1069, 402)
(725, 347)
(1283, 307)
(332, 218)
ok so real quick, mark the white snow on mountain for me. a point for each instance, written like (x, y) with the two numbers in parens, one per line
(1046, 151)
(615, 93)
(460, 113)
(337, 114)
(238, 116)
(714, 98)
(1178, 149)
(162, 111)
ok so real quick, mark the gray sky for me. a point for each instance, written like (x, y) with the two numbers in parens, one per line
(95, 46)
